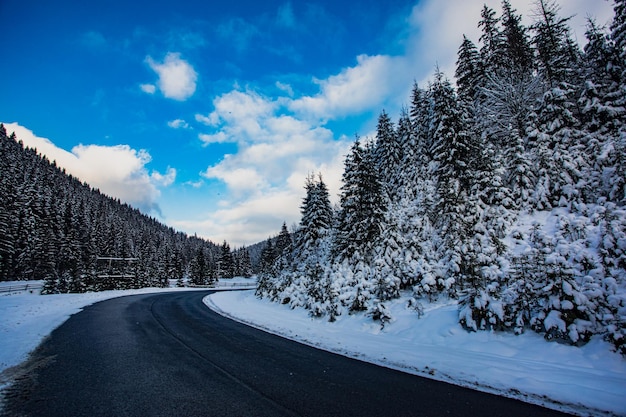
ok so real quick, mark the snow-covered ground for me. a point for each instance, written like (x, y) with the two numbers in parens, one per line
(590, 380)
(587, 380)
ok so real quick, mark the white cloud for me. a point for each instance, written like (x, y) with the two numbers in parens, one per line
(148, 88)
(285, 87)
(195, 184)
(219, 137)
(127, 178)
(211, 120)
(363, 87)
(177, 78)
(276, 150)
(252, 220)
(178, 124)
(242, 111)
(238, 179)
(166, 179)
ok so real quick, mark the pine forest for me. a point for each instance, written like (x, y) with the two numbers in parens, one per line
(505, 191)
(57, 229)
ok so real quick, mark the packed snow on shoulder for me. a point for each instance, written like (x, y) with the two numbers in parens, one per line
(587, 380)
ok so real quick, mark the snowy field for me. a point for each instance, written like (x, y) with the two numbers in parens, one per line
(585, 381)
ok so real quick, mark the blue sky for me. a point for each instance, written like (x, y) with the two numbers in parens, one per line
(209, 115)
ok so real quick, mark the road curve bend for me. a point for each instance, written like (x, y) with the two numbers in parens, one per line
(167, 354)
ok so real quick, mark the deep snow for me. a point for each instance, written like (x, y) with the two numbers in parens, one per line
(586, 380)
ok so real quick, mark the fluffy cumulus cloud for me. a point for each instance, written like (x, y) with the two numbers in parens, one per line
(127, 179)
(166, 179)
(177, 78)
(272, 144)
(363, 87)
(265, 178)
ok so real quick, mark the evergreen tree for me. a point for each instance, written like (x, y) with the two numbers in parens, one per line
(558, 55)
(266, 272)
(387, 156)
(601, 96)
(402, 178)
(268, 256)
(519, 53)
(362, 205)
(6, 237)
(317, 215)
(417, 150)
(58, 226)
(312, 246)
(618, 36)
(388, 263)
(492, 39)
(453, 153)
(509, 89)
(245, 264)
(603, 115)
(284, 242)
(468, 72)
(198, 271)
(556, 143)
(226, 266)
(519, 173)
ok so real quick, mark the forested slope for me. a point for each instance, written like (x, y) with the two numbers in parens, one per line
(55, 228)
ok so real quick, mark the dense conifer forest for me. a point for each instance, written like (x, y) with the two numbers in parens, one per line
(506, 192)
(55, 228)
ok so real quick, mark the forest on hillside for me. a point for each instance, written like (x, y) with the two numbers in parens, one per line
(506, 192)
(54, 227)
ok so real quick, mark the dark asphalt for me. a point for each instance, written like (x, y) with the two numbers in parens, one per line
(168, 355)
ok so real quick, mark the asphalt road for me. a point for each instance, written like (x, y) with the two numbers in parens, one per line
(169, 355)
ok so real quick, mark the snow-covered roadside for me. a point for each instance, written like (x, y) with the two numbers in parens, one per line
(587, 380)
(590, 380)
(27, 318)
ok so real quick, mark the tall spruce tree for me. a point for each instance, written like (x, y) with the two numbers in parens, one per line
(283, 241)
(468, 71)
(387, 156)
(454, 154)
(558, 54)
(226, 267)
(198, 271)
(492, 39)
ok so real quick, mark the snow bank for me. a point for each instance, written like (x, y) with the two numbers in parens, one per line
(586, 380)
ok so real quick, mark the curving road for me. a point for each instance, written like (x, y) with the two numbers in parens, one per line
(168, 355)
